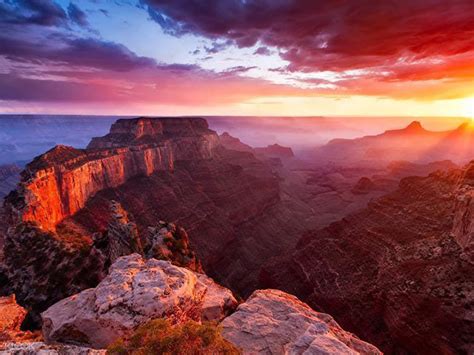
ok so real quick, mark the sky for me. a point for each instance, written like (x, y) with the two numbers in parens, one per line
(238, 57)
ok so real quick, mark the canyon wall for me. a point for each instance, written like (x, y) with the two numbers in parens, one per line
(58, 183)
(400, 273)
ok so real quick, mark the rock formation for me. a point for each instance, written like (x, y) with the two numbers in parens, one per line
(233, 143)
(399, 273)
(274, 322)
(275, 151)
(134, 292)
(413, 143)
(58, 183)
(122, 235)
(11, 317)
(174, 169)
(166, 241)
(137, 291)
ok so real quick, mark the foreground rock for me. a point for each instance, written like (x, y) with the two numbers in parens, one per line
(274, 322)
(42, 348)
(135, 292)
(11, 317)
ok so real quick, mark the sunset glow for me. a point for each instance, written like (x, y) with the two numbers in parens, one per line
(237, 58)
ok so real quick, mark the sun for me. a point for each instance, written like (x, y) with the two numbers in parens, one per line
(469, 108)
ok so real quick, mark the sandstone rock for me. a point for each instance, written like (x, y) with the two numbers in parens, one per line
(11, 314)
(122, 234)
(39, 348)
(276, 151)
(234, 143)
(58, 183)
(166, 241)
(274, 322)
(11, 318)
(218, 301)
(134, 292)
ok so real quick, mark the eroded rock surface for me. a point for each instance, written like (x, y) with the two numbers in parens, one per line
(274, 322)
(398, 274)
(40, 348)
(11, 316)
(135, 291)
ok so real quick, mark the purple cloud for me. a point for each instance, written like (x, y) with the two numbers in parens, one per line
(77, 15)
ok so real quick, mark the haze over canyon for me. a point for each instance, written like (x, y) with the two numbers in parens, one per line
(271, 177)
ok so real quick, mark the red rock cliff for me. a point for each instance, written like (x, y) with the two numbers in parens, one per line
(58, 183)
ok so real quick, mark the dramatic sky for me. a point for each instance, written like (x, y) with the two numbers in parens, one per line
(239, 57)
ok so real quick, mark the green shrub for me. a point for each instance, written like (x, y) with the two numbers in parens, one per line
(160, 337)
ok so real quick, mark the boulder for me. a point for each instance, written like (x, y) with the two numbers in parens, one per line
(274, 322)
(11, 314)
(135, 292)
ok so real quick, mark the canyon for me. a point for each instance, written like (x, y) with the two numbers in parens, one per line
(359, 241)
(400, 272)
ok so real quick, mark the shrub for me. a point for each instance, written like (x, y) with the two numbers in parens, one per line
(159, 337)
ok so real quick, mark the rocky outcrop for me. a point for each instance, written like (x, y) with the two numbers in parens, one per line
(275, 151)
(135, 291)
(43, 268)
(363, 186)
(167, 241)
(398, 274)
(58, 183)
(274, 322)
(122, 234)
(34, 348)
(11, 315)
(233, 143)
(463, 223)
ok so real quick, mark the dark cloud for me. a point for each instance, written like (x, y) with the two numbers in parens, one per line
(238, 70)
(37, 12)
(77, 15)
(329, 35)
(13, 87)
(262, 51)
(86, 52)
(217, 47)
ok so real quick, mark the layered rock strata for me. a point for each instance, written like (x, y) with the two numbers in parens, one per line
(58, 183)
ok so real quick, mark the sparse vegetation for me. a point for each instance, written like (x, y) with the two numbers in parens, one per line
(160, 337)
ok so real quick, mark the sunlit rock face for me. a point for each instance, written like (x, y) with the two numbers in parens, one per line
(135, 292)
(274, 322)
(58, 183)
(398, 274)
